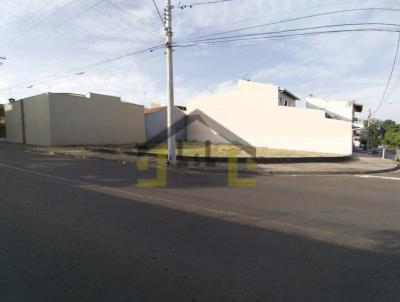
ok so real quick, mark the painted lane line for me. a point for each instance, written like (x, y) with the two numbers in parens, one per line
(379, 177)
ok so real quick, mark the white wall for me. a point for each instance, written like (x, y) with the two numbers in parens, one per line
(250, 115)
(337, 109)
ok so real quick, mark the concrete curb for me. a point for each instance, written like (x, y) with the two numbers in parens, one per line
(259, 171)
(263, 172)
(258, 160)
(301, 173)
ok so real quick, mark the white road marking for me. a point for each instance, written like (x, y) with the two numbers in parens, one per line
(379, 177)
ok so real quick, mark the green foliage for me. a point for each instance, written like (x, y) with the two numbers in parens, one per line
(2, 110)
(382, 132)
(392, 135)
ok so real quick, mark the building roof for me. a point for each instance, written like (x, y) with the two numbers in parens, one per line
(155, 109)
(151, 110)
(288, 93)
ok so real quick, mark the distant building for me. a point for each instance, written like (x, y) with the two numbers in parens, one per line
(62, 119)
(340, 110)
(156, 123)
(286, 98)
(264, 115)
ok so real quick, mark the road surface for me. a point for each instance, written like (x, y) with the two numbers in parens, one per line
(81, 230)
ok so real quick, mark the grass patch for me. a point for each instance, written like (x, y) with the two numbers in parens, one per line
(216, 150)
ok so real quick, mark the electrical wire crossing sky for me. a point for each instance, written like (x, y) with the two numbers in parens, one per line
(338, 50)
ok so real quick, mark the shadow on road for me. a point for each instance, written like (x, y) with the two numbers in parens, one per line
(111, 173)
(64, 243)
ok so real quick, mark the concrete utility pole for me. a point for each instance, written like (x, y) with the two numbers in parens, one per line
(170, 85)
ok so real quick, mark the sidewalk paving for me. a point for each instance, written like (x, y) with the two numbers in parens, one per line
(360, 164)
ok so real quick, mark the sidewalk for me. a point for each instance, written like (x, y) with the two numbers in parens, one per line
(360, 164)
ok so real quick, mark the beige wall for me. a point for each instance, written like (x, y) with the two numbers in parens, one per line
(96, 120)
(37, 120)
(57, 119)
(250, 114)
(13, 122)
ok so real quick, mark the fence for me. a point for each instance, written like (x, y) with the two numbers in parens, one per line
(390, 153)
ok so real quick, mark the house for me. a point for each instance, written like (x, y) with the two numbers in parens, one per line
(156, 123)
(254, 114)
(341, 110)
(60, 119)
(286, 98)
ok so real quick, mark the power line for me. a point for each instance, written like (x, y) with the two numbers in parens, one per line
(134, 24)
(91, 6)
(183, 6)
(34, 14)
(394, 87)
(309, 8)
(76, 15)
(59, 78)
(158, 11)
(79, 74)
(141, 20)
(54, 13)
(299, 18)
(279, 37)
(78, 69)
(79, 13)
(390, 76)
(254, 35)
(112, 16)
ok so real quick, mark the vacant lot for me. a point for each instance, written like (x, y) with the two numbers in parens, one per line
(219, 150)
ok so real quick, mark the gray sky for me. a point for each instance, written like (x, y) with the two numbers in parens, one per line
(43, 38)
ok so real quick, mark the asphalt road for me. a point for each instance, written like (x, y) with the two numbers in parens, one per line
(81, 230)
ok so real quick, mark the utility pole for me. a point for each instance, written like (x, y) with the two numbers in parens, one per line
(170, 85)
(369, 130)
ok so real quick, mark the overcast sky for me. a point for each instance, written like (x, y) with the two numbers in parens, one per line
(43, 38)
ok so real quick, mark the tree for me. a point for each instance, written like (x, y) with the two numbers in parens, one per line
(392, 135)
(2, 110)
(381, 132)
(375, 134)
